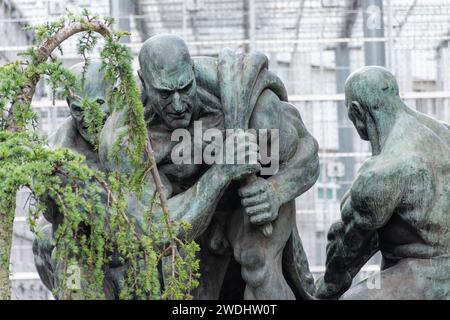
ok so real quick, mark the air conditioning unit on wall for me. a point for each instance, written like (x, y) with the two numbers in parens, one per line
(335, 169)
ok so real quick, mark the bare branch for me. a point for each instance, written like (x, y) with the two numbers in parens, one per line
(44, 52)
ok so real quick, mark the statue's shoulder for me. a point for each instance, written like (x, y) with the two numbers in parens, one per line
(65, 135)
(389, 164)
(206, 75)
(383, 176)
(269, 109)
(114, 125)
(266, 113)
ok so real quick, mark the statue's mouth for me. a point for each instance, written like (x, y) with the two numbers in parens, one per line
(177, 115)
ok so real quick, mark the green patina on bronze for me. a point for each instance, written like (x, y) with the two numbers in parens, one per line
(179, 89)
(225, 215)
(399, 203)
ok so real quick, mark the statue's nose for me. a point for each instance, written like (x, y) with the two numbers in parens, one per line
(178, 105)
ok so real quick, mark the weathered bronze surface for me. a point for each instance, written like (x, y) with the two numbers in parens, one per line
(228, 205)
(399, 203)
(244, 221)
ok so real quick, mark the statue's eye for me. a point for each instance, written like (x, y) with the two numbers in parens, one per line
(76, 108)
(164, 94)
(187, 87)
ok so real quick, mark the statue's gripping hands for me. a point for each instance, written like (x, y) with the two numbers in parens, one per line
(192, 190)
(399, 203)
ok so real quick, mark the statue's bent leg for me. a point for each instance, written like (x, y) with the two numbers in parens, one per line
(213, 266)
(260, 257)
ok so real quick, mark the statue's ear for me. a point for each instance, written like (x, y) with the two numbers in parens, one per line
(143, 91)
(141, 78)
(358, 109)
(69, 96)
(68, 104)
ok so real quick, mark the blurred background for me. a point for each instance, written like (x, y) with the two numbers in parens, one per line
(313, 45)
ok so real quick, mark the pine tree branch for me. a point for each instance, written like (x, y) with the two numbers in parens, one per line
(44, 52)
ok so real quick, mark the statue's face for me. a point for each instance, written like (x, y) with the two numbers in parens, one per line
(172, 96)
(78, 115)
(94, 88)
(168, 80)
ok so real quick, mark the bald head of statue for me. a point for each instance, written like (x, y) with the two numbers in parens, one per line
(168, 80)
(371, 95)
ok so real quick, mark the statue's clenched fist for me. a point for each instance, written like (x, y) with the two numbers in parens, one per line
(333, 290)
(260, 201)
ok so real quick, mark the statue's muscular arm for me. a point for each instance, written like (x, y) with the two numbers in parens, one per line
(376, 193)
(299, 163)
(195, 206)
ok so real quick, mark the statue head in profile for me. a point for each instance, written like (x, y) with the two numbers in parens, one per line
(371, 95)
(94, 87)
(168, 80)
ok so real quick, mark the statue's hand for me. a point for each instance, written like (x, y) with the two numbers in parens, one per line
(333, 290)
(260, 201)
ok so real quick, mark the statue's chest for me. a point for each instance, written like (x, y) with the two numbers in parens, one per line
(164, 150)
(166, 145)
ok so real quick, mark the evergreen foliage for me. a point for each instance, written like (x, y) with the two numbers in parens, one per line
(92, 203)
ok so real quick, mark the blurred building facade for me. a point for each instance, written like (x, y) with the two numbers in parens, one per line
(313, 45)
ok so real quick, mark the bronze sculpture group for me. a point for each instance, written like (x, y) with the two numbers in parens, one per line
(244, 221)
